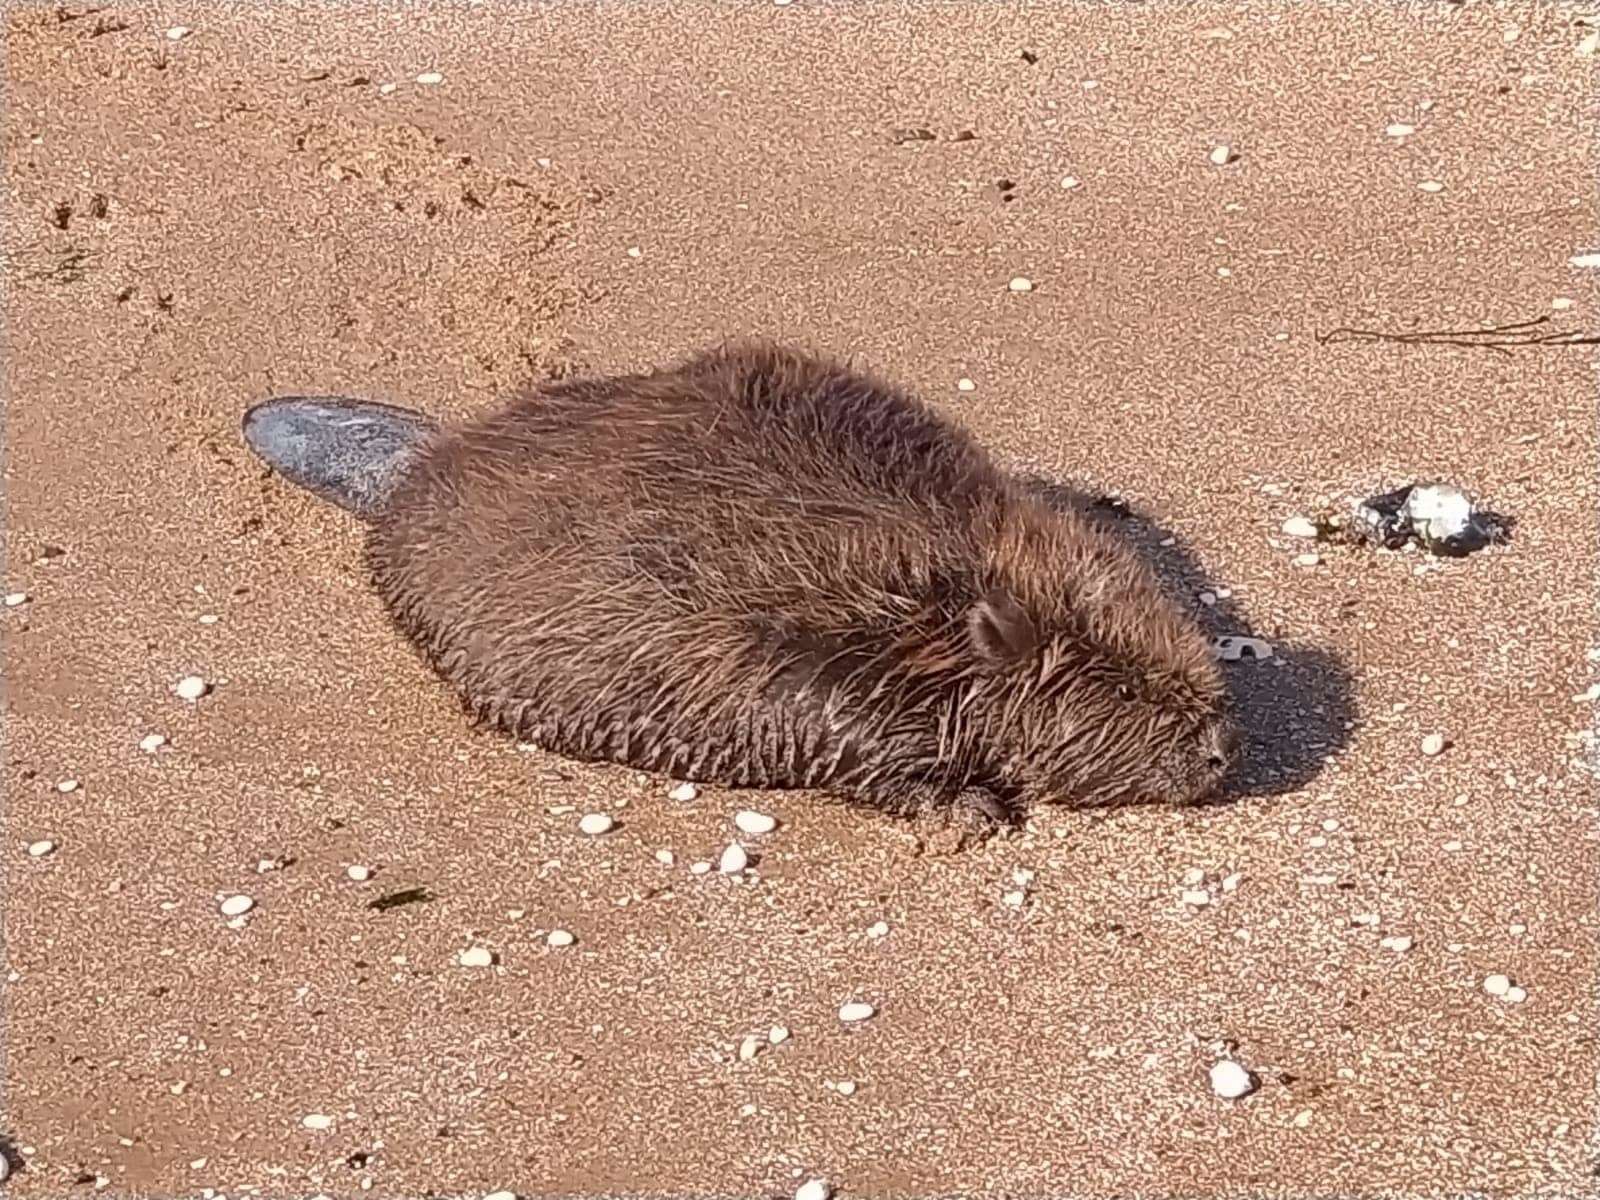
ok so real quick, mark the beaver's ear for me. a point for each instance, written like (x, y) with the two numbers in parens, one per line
(1002, 632)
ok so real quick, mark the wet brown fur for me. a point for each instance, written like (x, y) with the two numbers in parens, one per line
(762, 568)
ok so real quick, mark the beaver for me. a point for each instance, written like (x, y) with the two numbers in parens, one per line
(764, 568)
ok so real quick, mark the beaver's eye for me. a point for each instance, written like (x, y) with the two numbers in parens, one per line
(1124, 692)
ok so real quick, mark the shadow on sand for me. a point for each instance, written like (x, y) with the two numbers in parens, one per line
(1293, 717)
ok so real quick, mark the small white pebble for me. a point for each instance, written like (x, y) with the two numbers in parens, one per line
(359, 873)
(855, 1010)
(1070, 181)
(151, 742)
(1400, 129)
(1433, 744)
(267, 864)
(1196, 897)
(501, 1196)
(1231, 883)
(778, 1034)
(428, 78)
(878, 929)
(813, 1189)
(385, 89)
(1021, 284)
(1496, 985)
(665, 857)
(1015, 899)
(594, 824)
(1221, 156)
(1452, 846)
(40, 848)
(846, 1087)
(1316, 841)
(1431, 185)
(1329, 825)
(1515, 994)
(237, 906)
(191, 688)
(1307, 560)
(1587, 45)
(635, 252)
(1585, 260)
(749, 1047)
(67, 786)
(754, 823)
(476, 956)
(1518, 929)
(683, 793)
(560, 937)
(13, 599)
(1398, 944)
(1209, 599)
(1231, 1081)
(1193, 876)
(1300, 527)
(965, 385)
(317, 1121)
(733, 860)
(1302, 1118)
(516, 914)
(177, 33)
(700, 868)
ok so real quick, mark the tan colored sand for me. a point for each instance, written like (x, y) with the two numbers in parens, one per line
(273, 222)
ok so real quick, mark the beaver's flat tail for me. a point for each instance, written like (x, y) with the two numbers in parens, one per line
(349, 452)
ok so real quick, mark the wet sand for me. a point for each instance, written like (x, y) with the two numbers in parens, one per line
(195, 223)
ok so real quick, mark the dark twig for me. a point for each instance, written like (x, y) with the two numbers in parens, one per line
(1498, 339)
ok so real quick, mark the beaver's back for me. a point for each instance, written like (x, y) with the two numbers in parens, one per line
(624, 568)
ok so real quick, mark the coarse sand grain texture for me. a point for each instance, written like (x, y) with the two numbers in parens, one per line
(428, 204)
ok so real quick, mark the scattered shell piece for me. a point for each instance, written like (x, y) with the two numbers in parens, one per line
(476, 956)
(1233, 649)
(1561, 303)
(778, 1034)
(749, 1047)
(236, 906)
(191, 688)
(430, 77)
(501, 1196)
(1230, 883)
(1015, 899)
(1071, 181)
(813, 1189)
(151, 742)
(754, 823)
(1221, 156)
(1516, 994)
(683, 793)
(634, 252)
(67, 786)
(595, 824)
(1302, 1118)
(1496, 985)
(1591, 693)
(1021, 284)
(1300, 527)
(1198, 897)
(1307, 560)
(385, 89)
(733, 860)
(666, 858)
(359, 873)
(559, 937)
(965, 385)
(178, 32)
(1518, 929)
(41, 848)
(855, 1010)
(1587, 45)
(1433, 744)
(1400, 129)
(700, 868)
(845, 1087)
(1231, 1081)
(1398, 944)
(13, 599)
(1431, 185)
(317, 1121)
(878, 929)
(1193, 876)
